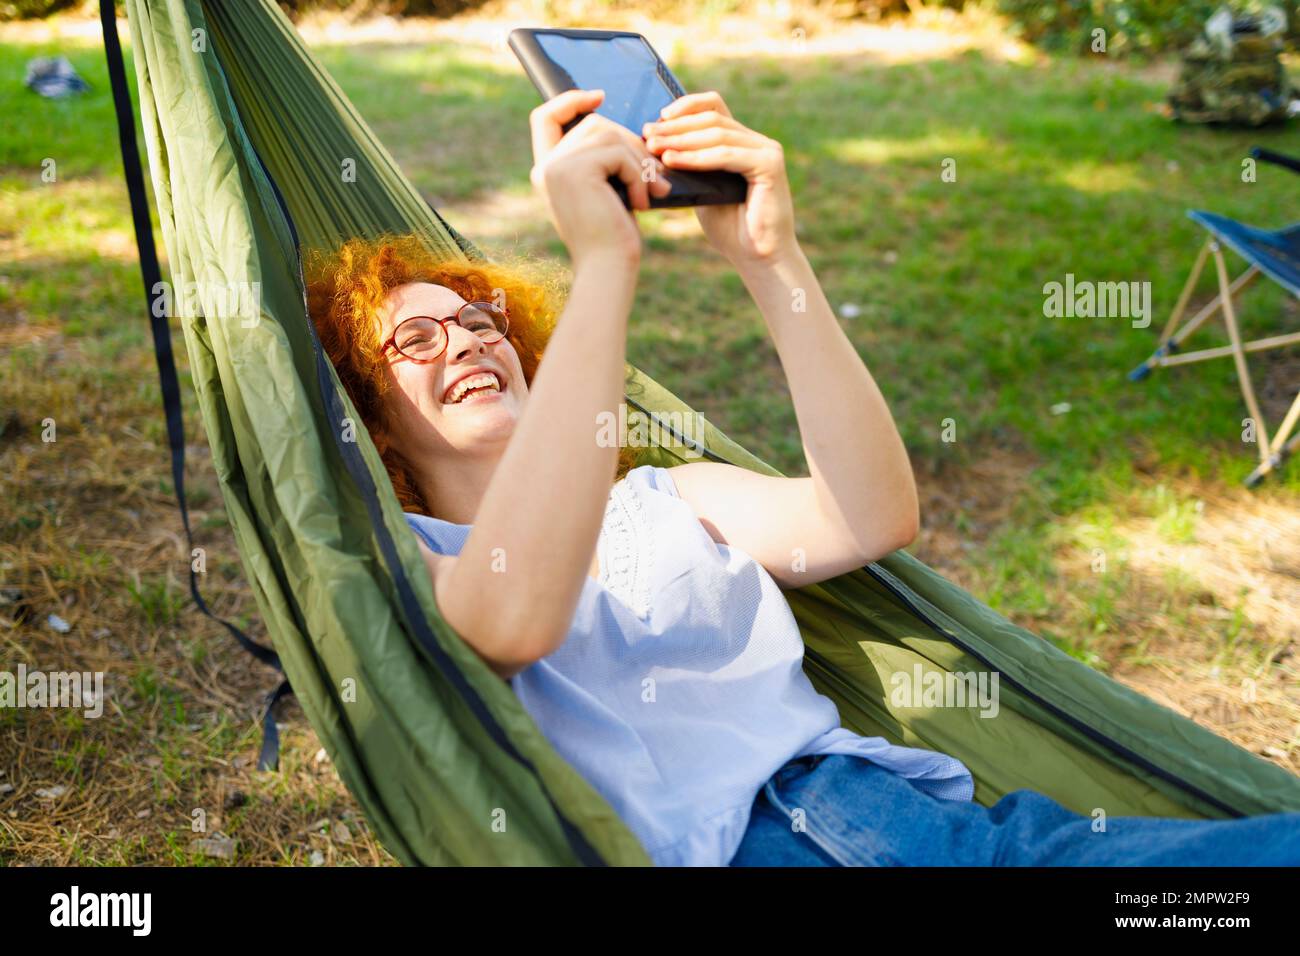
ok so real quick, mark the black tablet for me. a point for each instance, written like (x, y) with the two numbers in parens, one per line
(637, 85)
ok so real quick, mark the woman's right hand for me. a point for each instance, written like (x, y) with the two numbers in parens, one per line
(570, 171)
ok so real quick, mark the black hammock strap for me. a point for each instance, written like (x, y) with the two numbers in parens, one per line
(269, 758)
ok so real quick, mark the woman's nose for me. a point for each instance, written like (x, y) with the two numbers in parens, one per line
(461, 341)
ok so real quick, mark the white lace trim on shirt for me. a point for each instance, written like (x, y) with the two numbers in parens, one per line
(630, 549)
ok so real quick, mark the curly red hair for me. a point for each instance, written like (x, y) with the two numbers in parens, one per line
(346, 289)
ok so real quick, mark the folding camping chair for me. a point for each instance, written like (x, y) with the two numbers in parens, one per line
(1274, 254)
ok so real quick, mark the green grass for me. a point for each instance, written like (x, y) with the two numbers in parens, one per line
(1069, 173)
(1062, 167)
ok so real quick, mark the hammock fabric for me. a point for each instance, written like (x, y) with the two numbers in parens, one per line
(246, 136)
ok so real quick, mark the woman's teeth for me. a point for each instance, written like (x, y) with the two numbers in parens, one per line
(483, 383)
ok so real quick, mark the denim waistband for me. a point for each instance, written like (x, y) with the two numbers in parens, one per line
(779, 791)
(797, 767)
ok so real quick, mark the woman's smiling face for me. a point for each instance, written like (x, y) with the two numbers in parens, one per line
(422, 419)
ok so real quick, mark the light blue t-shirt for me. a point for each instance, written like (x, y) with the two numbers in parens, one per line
(680, 690)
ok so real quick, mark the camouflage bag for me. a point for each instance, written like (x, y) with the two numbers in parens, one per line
(1232, 72)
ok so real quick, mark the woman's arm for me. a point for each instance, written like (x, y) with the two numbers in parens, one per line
(859, 502)
(515, 586)
(512, 591)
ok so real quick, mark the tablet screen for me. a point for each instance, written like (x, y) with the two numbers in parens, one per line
(624, 67)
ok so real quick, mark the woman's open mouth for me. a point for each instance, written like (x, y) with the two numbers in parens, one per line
(480, 387)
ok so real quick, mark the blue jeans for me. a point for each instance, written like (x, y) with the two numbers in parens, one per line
(856, 813)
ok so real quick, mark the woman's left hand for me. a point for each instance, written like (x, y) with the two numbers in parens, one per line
(698, 132)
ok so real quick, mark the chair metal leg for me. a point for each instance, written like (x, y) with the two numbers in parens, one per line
(1288, 423)
(1239, 284)
(1275, 461)
(1172, 337)
(1272, 453)
(1186, 294)
(1280, 449)
(1220, 351)
(1239, 354)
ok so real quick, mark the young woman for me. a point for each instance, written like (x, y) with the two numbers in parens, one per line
(642, 625)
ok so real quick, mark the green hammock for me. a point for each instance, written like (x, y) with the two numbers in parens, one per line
(246, 136)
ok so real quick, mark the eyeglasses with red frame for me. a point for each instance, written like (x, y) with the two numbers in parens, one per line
(422, 338)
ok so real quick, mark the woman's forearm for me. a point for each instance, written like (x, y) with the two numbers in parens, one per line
(523, 566)
(855, 455)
